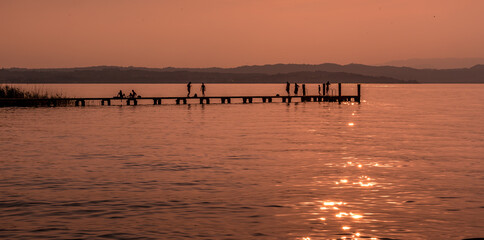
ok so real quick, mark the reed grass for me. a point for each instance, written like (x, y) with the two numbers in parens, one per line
(15, 96)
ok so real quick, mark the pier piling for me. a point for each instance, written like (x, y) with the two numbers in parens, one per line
(359, 93)
(339, 93)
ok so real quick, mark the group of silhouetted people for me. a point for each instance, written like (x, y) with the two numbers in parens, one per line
(202, 88)
(132, 94)
(324, 87)
(296, 88)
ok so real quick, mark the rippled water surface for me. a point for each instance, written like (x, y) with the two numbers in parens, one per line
(404, 164)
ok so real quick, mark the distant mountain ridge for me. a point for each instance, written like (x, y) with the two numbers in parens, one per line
(436, 63)
(274, 73)
(135, 75)
(474, 74)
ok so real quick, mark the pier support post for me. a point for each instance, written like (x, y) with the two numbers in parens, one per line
(155, 101)
(222, 100)
(283, 99)
(244, 100)
(288, 99)
(184, 101)
(81, 102)
(339, 93)
(102, 102)
(263, 99)
(250, 100)
(359, 93)
(270, 99)
(207, 100)
(128, 102)
(135, 102)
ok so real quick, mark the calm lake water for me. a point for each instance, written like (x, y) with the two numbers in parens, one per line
(404, 164)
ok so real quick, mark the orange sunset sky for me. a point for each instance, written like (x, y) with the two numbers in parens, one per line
(228, 33)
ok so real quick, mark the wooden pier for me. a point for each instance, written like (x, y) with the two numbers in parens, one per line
(202, 99)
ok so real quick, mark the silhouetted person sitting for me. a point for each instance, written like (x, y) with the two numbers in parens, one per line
(203, 89)
(296, 88)
(120, 94)
(288, 88)
(195, 95)
(189, 87)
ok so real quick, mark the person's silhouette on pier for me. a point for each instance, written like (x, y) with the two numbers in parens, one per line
(120, 94)
(296, 88)
(288, 88)
(319, 89)
(133, 94)
(327, 87)
(304, 89)
(189, 87)
(203, 89)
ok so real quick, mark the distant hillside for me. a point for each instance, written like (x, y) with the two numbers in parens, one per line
(462, 75)
(144, 75)
(275, 73)
(436, 63)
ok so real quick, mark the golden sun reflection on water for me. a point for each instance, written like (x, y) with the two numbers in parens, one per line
(343, 214)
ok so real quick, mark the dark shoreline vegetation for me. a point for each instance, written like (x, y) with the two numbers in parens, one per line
(11, 96)
(276, 73)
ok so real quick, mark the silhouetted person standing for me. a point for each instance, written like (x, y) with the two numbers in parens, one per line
(120, 94)
(327, 87)
(203, 89)
(288, 88)
(189, 87)
(319, 89)
(296, 88)
(133, 93)
(304, 89)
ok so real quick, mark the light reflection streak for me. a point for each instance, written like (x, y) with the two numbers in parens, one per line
(356, 216)
(337, 211)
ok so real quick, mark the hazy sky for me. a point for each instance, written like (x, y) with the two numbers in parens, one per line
(227, 33)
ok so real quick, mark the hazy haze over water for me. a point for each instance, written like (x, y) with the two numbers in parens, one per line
(404, 164)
